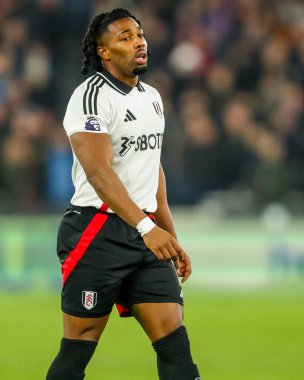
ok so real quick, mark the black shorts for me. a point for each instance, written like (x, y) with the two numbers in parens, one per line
(105, 261)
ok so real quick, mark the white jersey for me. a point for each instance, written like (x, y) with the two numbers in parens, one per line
(134, 120)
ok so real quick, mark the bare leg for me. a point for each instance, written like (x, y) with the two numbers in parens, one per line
(162, 322)
(158, 319)
(77, 347)
(83, 328)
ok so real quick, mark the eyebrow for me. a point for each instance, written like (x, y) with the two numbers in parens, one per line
(129, 30)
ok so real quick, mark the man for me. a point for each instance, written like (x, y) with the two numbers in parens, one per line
(110, 249)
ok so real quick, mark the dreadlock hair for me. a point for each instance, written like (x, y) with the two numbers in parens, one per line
(98, 26)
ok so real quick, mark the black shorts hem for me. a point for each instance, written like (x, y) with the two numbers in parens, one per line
(153, 300)
(84, 314)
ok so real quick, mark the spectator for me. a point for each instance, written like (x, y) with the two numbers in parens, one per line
(231, 76)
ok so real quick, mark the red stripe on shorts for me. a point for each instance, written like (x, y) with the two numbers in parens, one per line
(76, 254)
(104, 207)
(123, 311)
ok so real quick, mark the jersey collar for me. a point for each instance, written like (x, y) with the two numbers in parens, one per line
(117, 85)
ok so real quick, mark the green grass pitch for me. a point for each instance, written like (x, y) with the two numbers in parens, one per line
(257, 335)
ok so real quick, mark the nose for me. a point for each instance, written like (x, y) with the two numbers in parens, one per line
(140, 42)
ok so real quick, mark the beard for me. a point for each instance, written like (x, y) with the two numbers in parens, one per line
(139, 70)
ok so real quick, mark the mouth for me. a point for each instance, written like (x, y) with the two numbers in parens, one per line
(141, 57)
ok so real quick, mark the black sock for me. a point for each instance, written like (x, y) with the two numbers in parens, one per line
(72, 359)
(174, 360)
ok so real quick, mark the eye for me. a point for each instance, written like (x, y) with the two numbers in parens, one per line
(126, 38)
(141, 35)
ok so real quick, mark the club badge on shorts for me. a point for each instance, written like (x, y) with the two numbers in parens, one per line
(89, 299)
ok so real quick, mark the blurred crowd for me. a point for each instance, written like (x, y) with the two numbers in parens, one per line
(231, 74)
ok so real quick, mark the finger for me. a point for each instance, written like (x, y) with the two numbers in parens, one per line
(173, 253)
(176, 265)
(182, 254)
(178, 249)
(166, 254)
(181, 271)
(186, 275)
(159, 255)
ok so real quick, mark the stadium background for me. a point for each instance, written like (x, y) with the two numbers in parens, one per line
(231, 76)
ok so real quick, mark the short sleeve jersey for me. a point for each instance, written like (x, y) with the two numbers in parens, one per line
(134, 120)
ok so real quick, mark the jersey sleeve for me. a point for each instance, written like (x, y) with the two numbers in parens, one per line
(81, 117)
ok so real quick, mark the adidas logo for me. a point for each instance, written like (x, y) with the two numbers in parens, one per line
(129, 116)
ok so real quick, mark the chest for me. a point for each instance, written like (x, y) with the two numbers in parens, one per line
(136, 114)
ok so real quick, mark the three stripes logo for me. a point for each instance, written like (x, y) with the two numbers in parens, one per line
(91, 95)
(129, 116)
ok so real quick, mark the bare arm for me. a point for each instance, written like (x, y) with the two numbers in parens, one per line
(163, 214)
(164, 220)
(94, 152)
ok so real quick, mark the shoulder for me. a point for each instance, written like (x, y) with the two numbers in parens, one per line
(154, 96)
(92, 83)
(84, 97)
(150, 90)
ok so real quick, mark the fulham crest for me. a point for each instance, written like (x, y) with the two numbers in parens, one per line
(89, 299)
(158, 109)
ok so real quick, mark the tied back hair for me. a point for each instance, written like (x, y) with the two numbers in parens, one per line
(96, 29)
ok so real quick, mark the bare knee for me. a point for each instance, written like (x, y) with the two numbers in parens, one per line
(83, 328)
(158, 319)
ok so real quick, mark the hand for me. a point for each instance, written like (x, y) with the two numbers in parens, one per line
(183, 268)
(163, 245)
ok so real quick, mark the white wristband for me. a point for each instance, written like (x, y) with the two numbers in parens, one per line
(145, 226)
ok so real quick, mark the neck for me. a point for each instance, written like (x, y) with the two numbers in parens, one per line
(126, 79)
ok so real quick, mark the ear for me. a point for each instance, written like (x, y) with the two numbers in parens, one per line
(103, 52)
